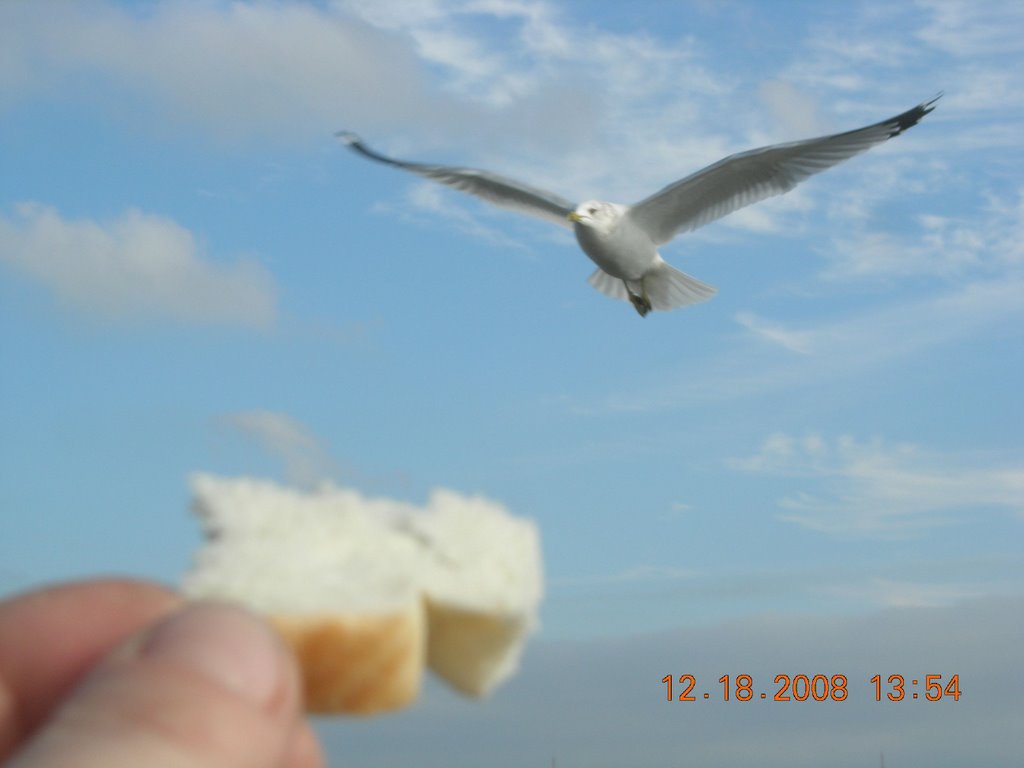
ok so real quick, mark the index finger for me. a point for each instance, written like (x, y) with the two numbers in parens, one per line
(51, 637)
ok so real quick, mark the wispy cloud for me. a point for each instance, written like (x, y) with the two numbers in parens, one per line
(306, 460)
(893, 593)
(559, 103)
(136, 266)
(969, 29)
(795, 341)
(763, 361)
(877, 489)
(433, 202)
(944, 246)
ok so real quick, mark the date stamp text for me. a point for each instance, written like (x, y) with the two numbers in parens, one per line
(814, 688)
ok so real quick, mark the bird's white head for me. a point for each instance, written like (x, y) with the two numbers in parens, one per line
(593, 213)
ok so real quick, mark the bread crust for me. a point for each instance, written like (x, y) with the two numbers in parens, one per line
(357, 664)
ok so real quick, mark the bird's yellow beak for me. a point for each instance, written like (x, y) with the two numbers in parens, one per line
(574, 217)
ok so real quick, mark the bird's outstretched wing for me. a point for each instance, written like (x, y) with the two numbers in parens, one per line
(491, 187)
(747, 177)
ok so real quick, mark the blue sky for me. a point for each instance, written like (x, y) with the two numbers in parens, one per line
(195, 276)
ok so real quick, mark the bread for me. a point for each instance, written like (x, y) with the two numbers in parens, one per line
(357, 664)
(369, 591)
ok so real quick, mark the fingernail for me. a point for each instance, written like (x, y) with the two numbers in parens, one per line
(224, 644)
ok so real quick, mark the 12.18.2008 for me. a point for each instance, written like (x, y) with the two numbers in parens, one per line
(809, 688)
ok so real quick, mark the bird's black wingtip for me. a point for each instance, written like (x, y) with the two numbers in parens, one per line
(355, 142)
(929, 105)
(912, 117)
(347, 137)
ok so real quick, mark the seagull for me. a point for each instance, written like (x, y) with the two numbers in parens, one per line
(623, 240)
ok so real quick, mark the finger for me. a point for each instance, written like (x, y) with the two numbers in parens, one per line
(209, 687)
(304, 750)
(50, 637)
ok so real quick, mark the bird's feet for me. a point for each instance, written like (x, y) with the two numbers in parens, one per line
(640, 303)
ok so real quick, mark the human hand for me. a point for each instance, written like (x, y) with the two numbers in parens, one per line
(122, 674)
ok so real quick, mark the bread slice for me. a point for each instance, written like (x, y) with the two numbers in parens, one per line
(482, 583)
(367, 591)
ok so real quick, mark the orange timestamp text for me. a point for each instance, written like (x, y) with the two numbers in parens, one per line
(812, 688)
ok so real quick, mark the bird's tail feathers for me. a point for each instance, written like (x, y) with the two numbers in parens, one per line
(667, 287)
(608, 285)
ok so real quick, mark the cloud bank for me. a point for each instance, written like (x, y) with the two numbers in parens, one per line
(602, 703)
(136, 266)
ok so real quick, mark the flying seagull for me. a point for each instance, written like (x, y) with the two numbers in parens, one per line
(623, 240)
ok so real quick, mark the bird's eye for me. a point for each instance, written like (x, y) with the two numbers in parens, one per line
(592, 210)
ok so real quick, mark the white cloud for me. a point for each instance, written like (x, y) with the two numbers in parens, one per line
(877, 489)
(298, 70)
(307, 461)
(437, 203)
(848, 62)
(137, 266)
(557, 104)
(234, 69)
(909, 167)
(762, 362)
(967, 29)
(472, 67)
(894, 593)
(795, 341)
(945, 246)
(795, 110)
(783, 453)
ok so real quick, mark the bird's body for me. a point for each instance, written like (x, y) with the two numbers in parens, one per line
(610, 239)
(623, 240)
(629, 265)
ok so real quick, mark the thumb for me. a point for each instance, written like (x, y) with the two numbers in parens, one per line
(208, 687)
